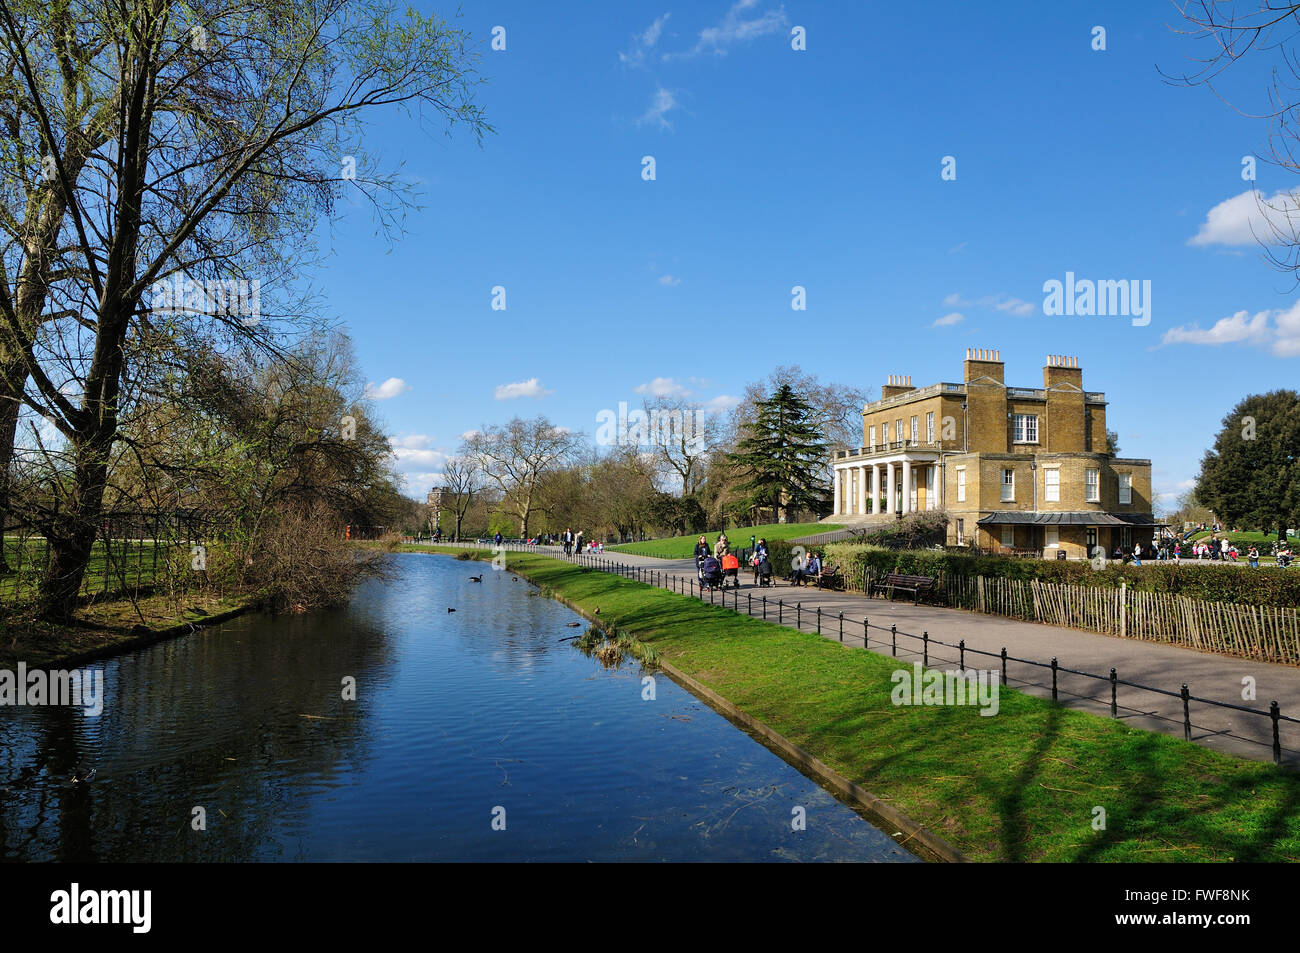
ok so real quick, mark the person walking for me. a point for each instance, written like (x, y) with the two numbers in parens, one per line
(1137, 554)
(568, 541)
(1252, 556)
(577, 542)
(701, 550)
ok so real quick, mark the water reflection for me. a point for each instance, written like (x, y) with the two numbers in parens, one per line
(457, 714)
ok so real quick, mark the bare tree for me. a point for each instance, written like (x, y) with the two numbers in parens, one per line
(462, 479)
(1262, 32)
(684, 436)
(518, 455)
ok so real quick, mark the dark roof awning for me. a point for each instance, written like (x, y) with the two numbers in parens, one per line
(1022, 518)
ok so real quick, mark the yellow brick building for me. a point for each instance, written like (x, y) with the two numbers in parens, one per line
(1016, 468)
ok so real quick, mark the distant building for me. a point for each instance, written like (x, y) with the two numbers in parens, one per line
(434, 499)
(1016, 468)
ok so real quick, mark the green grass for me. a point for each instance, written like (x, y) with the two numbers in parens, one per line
(1263, 540)
(1020, 786)
(132, 565)
(681, 547)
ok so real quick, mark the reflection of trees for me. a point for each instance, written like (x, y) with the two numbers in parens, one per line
(211, 719)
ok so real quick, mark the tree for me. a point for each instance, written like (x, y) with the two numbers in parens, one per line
(461, 481)
(1112, 443)
(781, 456)
(1251, 476)
(518, 456)
(221, 119)
(834, 409)
(684, 435)
(1232, 34)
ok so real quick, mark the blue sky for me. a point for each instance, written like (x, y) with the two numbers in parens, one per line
(820, 168)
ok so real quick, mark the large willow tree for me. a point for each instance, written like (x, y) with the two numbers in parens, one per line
(201, 140)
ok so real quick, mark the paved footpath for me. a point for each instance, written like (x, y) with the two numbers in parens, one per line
(1209, 676)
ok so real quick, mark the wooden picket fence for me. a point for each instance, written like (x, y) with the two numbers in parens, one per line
(1247, 631)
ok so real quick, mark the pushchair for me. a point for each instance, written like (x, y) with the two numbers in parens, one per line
(710, 573)
(762, 571)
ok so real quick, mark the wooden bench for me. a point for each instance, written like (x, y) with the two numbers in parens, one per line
(830, 578)
(913, 584)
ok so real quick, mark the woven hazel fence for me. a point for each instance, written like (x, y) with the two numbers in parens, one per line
(1263, 633)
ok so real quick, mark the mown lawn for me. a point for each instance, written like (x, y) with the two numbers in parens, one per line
(681, 547)
(1020, 786)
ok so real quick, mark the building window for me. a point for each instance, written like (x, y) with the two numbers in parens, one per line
(1092, 486)
(1008, 486)
(931, 494)
(929, 427)
(1051, 537)
(1126, 488)
(1052, 485)
(961, 484)
(1009, 536)
(1092, 541)
(873, 436)
(961, 532)
(898, 430)
(1025, 427)
(915, 432)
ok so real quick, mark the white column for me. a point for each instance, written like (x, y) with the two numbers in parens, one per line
(839, 474)
(862, 490)
(907, 485)
(889, 488)
(875, 489)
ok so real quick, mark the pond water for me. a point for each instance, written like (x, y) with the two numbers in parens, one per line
(463, 723)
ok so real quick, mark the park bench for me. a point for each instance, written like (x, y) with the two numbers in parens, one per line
(913, 584)
(830, 578)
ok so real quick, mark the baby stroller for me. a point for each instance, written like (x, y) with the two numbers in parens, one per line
(710, 573)
(762, 570)
(731, 570)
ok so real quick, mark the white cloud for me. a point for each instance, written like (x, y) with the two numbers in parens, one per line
(425, 458)
(720, 404)
(669, 280)
(947, 320)
(643, 42)
(740, 25)
(415, 441)
(529, 388)
(663, 387)
(388, 389)
(1278, 330)
(470, 434)
(998, 302)
(661, 105)
(1248, 219)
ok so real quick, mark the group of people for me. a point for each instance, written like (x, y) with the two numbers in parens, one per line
(1216, 548)
(572, 543)
(718, 566)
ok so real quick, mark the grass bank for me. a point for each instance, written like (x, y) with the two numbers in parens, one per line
(681, 547)
(107, 628)
(1020, 786)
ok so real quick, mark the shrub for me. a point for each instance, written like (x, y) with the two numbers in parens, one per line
(1266, 587)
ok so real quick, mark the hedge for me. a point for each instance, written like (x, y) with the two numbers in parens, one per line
(1279, 588)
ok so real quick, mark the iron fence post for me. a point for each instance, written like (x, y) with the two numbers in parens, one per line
(1004, 666)
(1187, 713)
(925, 646)
(865, 632)
(962, 646)
(1275, 713)
(1114, 683)
(893, 636)
(1053, 678)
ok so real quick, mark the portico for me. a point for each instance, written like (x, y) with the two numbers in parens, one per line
(886, 481)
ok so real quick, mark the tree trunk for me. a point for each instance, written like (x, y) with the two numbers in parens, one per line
(9, 409)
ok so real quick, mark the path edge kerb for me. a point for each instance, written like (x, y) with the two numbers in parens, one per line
(931, 846)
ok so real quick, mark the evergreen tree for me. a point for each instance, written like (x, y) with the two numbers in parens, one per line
(1251, 477)
(780, 458)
